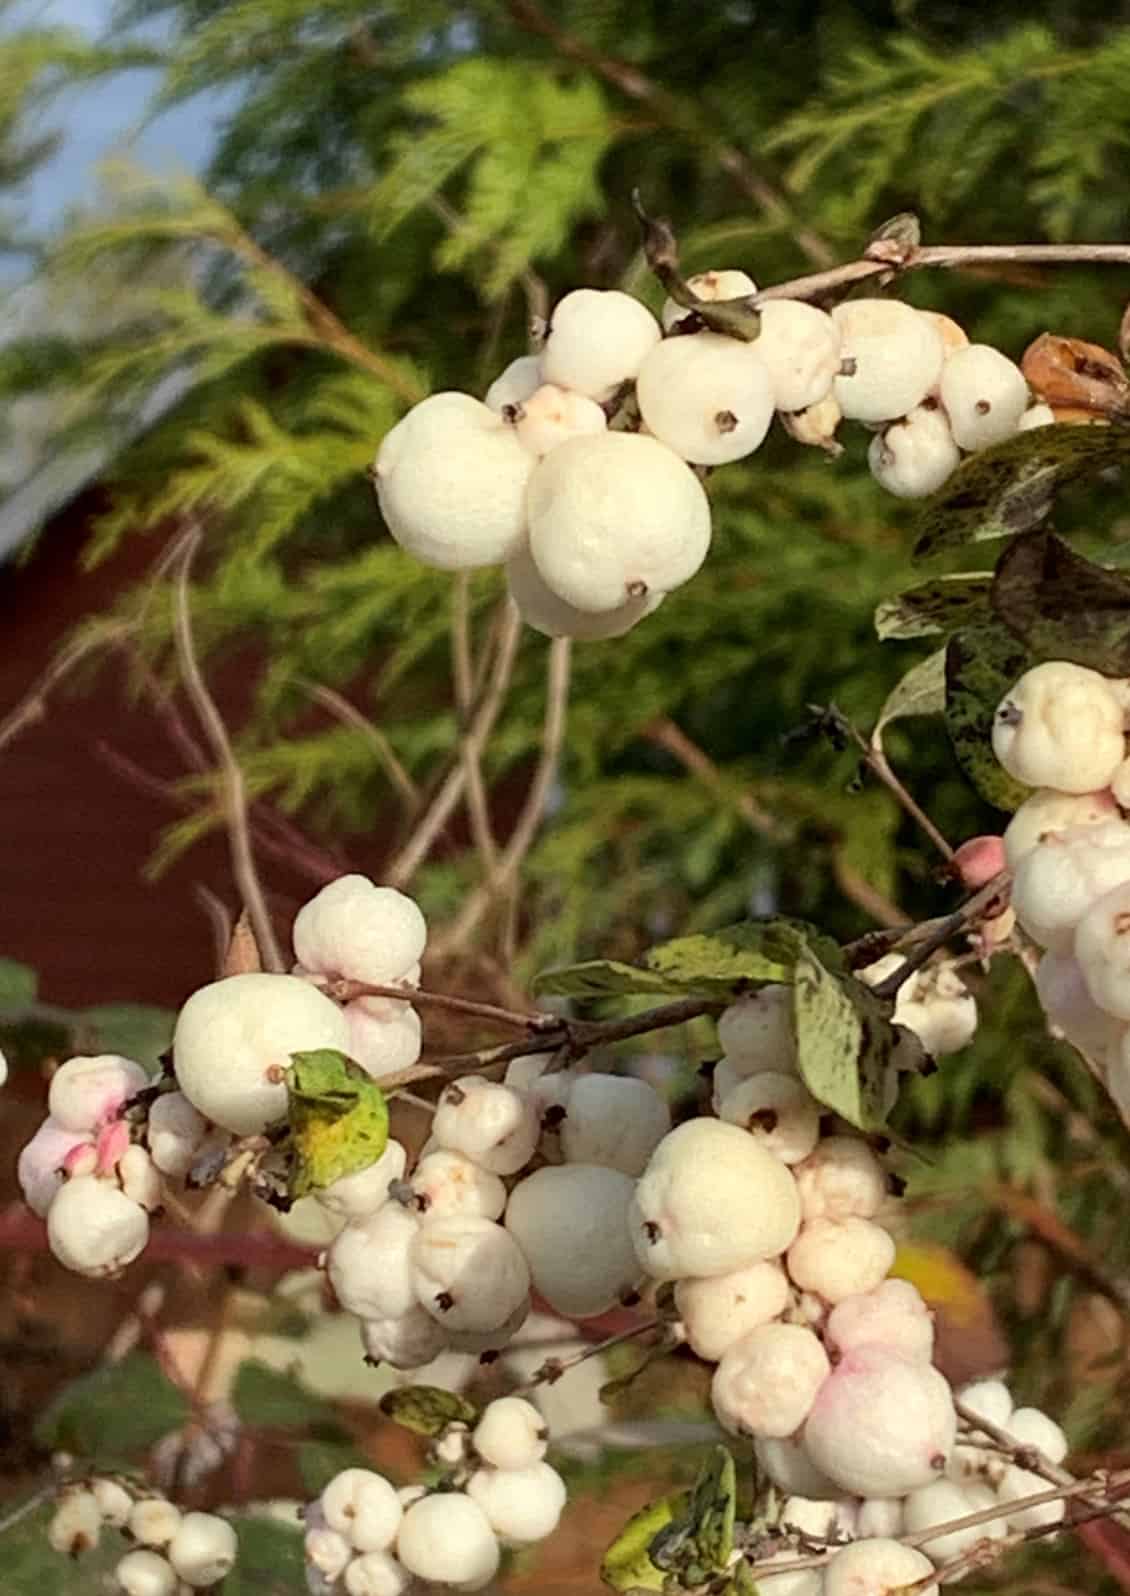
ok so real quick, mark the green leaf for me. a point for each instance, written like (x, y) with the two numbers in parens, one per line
(338, 1119)
(1062, 606)
(18, 984)
(427, 1409)
(844, 1042)
(136, 1030)
(597, 978)
(627, 1563)
(713, 1505)
(116, 1412)
(265, 1396)
(938, 606)
(1011, 487)
(743, 1582)
(271, 1560)
(922, 691)
(736, 956)
(982, 662)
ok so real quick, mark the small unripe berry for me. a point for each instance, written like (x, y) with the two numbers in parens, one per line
(709, 286)
(87, 1092)
(882, 1424)
(233, 1043)
(721, 1309)
(598, 339)
(711, 1201)
(709, 398)
(451, 479)
(491, 1124)
(521, 1505)
(615, 1121)
(203, 1550)
(572, 1224)
(984, 395)
(767, 1382)
(139, 1177)
(893, 358)
(616, 517)
(511, 1434)
(469, 1273)
(94, 1229)
(841, 1179)
(778, 1111)
(145, 1573)
(838, 1258)
(1060, 726)
(979, 859)
(914, 455)
(1048, 812)
(877, 1568)
(447, 1540)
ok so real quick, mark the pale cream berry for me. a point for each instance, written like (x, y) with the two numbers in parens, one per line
(1031, 1427)
(841, 1179)
(114, 1502)
(757, 1032)
(154, 1521)
(767, 1382)
(511, 1434)
(359, 1195)
(551, 416)
(892, 1315)
(145, 1573)
(203, 1550)
(708, 398)
(838, 1258)
(446, 1539)
(877, 1567)
(369, 1264)
(789, 1466)
(361, 1505)
(892, 357)
(1048, 813)
(613, 1120)
(140, 1178)
(616, 517)
(175, 1132)
(1039, 415)
(953, 335)
(521, 1505)
(515, 383)
(380, 1041)
(942, 1503)
(719, 1310)
(572, 1224)
(94, 1229)
(778, 1111)
(469, 1273)
(451, 480)
(489, 1123)
(709, 286)
(914, 455)
(76, 1524)
(1058, 881)
(406, 1342)
(597, 340)
(984, 394)
(450, 1183)
(541, 608)
(376, 1574)
(1102, 949)
(363, 932)
(85, 1093)
(1060, 726)
(882, 1424)
(1018, 1483)
(799, 346)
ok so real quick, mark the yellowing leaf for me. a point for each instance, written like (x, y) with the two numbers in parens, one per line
(338, 1120)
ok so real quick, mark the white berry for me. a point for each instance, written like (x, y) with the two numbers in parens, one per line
(598, 339)
(984, 394)
(914, 455)
(988, 1399)
(709, 398)
(492, 1124)
(616, 517)
(233, 1043)
(838, 1258)
(1018, 1483)
(356, 929)
(767, 1382)
(757, 1032)
(114, 1502)
(711, 287)
(552, 415)
(541, 608)
(376, 1574)
(447, 1540)
(1048, 812)
(359, 1195)
(522, 1505)
(94, 1229)
(800, 348)
(139, 1177)
(407, 1342)
(85, 1093)
(1039, 415)
(380, 1041)
(1059, 880)
(469, 1273)
(515, 383)
(719, 1310)
(841, 1179)
(1060, 726)
(893, 357)
(941, 1503)
(145, 1573)
(76, 1524)
(877, 1567)
(892, 1315)
(370, 1267)
(882, 1424)
(791, 1469)
(154, 1521)
(778, 1111)
(711, 1201)
(613, 1120)
(203, 1550)
(175, 1132)
(511, 1434)
(573, 1225)
(451, 479)
(450, 1183)
(39, 1169)
(1031, 1427)
(1102, 948)
(364, 1507)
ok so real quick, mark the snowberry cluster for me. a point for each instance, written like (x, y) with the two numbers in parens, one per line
(580, 473)
(94, 1168)
(1060, 730)
(365, 1538)
(173, 1553)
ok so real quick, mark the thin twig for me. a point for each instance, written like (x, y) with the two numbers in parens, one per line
(431, 824)
(32, 707)
(553, 1368)
(533, 810)
(220, 920)
(665, 734)
(873, 757)
(345, 991)
(350, 715)
(683, 116)
(470, 752)
(918, 949)
(234, 790)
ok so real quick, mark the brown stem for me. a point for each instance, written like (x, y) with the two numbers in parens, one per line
(345, 991)
(553, 1368)
(470, 752)
(1069, 1247)
(349, 715)
(234, 788)
(920, 950)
